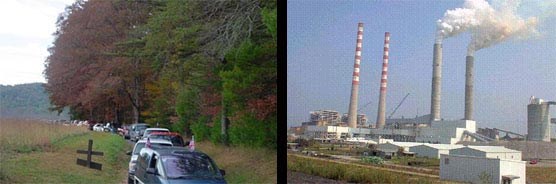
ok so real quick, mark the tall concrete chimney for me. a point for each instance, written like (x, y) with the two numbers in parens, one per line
(352, 113)
(381, 117)
(436, 81)
(469, 87)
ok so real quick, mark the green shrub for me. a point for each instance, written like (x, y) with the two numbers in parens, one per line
(249, 132)
(216, 131)
(179, 126)
(372, 160)
(200, 129)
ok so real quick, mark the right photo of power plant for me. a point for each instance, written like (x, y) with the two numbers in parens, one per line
(464, 133)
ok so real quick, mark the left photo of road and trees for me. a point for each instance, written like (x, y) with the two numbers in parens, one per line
(201, 73)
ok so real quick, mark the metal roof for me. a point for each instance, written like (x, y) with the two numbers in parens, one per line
(444, 146)
(407, 144)
(493, 149)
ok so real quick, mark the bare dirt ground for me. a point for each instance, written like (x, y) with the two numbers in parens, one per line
(297, 177)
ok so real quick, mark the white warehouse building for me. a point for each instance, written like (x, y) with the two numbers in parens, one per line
(488, 152)
(481, 170)
(433, 150)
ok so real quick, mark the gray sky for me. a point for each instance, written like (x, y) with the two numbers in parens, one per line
(25, 37)
(321, 47)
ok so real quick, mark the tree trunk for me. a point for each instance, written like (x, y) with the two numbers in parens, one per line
(136, 102)
(225, 123)
(116, 114)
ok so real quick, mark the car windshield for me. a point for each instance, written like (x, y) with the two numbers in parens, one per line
(140, 146)
(189, 166)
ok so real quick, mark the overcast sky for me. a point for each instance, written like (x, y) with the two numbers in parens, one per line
(321, 47)
(26, 34)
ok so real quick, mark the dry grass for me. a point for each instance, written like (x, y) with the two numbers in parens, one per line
(58, 165)
(541, 174)
(243, 165)
(28, 135)
(351, 173)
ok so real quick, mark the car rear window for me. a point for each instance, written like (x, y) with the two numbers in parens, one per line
(140, 146)
(189, 166)
(176, 140)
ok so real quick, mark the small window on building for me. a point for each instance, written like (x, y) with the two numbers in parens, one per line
(446, 161)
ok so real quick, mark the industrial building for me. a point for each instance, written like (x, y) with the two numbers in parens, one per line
(433, 150)
(324, 117)
(332, 118)
(487, 152)
(399, 145)
(408, 122)
(361, 119)
(475, 169)
(443, 132)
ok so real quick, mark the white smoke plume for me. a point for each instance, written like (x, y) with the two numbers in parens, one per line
(487, 25)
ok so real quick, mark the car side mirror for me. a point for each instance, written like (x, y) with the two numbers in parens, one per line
(151, 171)
(223, 172)
(128, 153)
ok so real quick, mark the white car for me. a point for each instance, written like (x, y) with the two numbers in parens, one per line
(98, 127)
(151, 130)
(137, 148)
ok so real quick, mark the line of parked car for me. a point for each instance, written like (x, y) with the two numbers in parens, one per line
(99, 127)
(161, 156)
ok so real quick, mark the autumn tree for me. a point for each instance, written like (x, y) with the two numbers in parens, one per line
(84, 71)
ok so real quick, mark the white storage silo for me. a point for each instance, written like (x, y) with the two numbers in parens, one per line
(538, 121)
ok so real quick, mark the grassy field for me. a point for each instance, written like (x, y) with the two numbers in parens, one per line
(351, 173)
(24, 136)
(243, 165)
(541, 174)
(432, 163)
(54, 161)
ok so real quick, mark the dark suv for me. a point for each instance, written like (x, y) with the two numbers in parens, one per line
(176, 165)
(137, 131)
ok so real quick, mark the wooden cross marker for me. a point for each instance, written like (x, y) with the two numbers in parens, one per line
(88, 163)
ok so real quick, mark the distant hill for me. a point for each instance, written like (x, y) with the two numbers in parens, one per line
(26, 101)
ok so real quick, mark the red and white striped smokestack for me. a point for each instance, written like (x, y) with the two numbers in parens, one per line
(381, 117)
(352, 112)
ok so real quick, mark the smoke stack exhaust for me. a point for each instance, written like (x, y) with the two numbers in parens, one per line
(436, 81)
(469, 87)
(352, 113)
(381, 117)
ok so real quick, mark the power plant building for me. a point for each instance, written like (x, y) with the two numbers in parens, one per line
(328, 117)
(408, 122)
(443, 132)
(361, 119)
